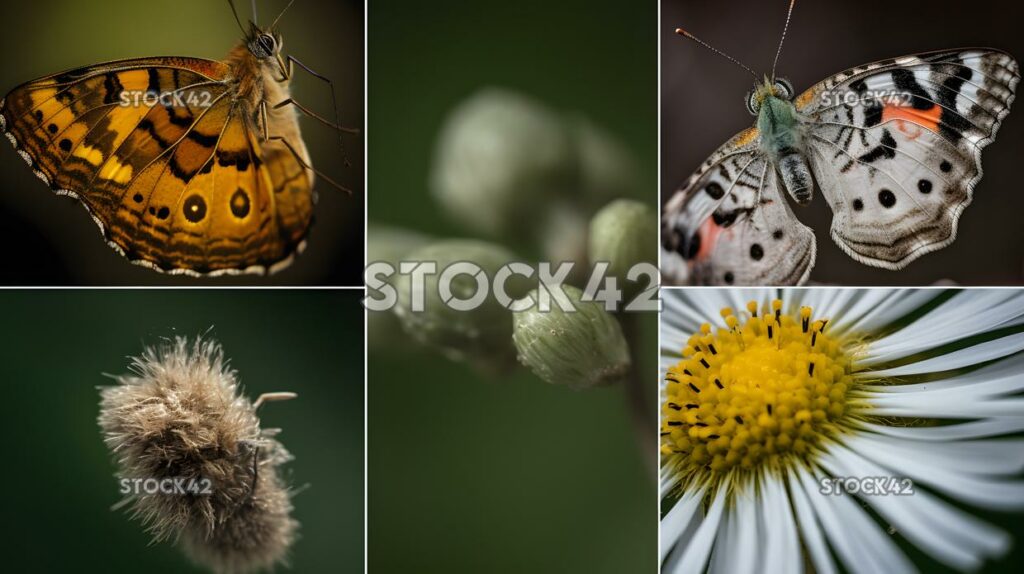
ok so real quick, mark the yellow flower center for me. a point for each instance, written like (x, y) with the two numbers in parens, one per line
(763, 391)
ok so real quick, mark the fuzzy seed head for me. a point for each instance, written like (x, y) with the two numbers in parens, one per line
(178, 414)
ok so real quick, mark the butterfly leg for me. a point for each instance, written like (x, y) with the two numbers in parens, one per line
(288, 71)
(298, 157)
(310, 113)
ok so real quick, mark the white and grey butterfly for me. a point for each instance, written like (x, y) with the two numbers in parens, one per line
(895, 147)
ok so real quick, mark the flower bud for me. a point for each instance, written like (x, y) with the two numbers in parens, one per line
(500, 158)
(579, 349)
(606, 168)
(483, 335)
(390, 245)
(624, 234)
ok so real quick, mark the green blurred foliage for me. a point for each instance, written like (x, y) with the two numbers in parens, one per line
(58, 480)
(593, 58)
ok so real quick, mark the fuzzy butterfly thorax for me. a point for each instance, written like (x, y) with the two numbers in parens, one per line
(187, 166)
(782, 136)
(258, 77)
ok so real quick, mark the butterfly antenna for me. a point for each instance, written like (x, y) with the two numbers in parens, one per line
(255, 16)
(686, 34)
(789, 16)
(278, 19)
(234, 10)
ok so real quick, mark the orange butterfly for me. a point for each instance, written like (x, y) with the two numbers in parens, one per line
(188, 166)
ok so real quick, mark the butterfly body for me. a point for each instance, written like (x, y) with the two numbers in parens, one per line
(780, 130)
(187, 165)
(894, 146)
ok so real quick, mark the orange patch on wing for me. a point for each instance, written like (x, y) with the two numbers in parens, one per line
(928, 119)
(804, 99)
(709, 232)
(746, 137)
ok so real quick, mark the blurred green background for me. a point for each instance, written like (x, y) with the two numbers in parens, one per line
(470, 473)
(596, 58)
(56, 241)
(58, 479)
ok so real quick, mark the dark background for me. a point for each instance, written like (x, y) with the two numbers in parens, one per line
(702, 107)
(50, 240)
(58, 476)
(474, 473)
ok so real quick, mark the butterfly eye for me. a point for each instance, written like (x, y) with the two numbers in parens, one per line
(784, 89)
(268, 43)
(753, 106)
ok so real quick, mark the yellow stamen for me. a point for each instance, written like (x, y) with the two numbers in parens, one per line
(763, 393)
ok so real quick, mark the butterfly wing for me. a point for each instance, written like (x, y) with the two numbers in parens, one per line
(730, 225)
(166, 162)
(896, 147)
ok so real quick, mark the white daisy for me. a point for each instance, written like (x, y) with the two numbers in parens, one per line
(771, 394)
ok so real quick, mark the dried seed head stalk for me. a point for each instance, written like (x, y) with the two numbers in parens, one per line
(179, 415)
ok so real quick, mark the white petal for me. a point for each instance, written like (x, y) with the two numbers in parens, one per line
(781, 547)
(723, 555)
(669, 476)
(680, 522)
(965, 315)
(994, 492)
(747, 546)
(809, 529)
(826, 303)
(1009, 368)
(991, 457)
(861, 543)
(707, 304)
(693, 556)
(980, 393)
(867, 301)
(900, 303)
(978, 354)
(738, 298)
(968, 430)
(945, 406)
(673, 340)
(953, 536)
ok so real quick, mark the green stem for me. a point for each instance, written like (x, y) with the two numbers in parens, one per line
(644, 419)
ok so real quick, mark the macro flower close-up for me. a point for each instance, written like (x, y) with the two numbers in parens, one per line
(840, 430)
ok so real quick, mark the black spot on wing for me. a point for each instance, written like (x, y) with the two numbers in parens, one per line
(194, 209)
(715, 190)
(725, 219)
(240, 204)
